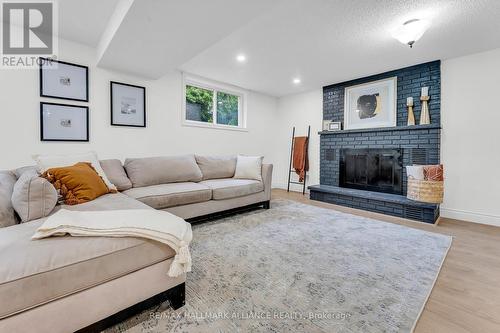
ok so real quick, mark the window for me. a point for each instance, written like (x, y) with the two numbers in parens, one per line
(212, 105)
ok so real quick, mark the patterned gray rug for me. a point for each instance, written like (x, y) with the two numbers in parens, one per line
(300, 268)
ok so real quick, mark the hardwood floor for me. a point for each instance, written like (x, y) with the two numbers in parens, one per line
(466, 296)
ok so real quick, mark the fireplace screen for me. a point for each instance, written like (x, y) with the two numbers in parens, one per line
(377, 170)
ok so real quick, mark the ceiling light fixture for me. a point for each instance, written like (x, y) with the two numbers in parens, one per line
(296, 80)
(241, 58)
(411, 31)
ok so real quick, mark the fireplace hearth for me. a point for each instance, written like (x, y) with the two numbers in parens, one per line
(378, 170)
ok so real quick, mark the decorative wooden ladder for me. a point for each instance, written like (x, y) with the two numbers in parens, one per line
(290, 170)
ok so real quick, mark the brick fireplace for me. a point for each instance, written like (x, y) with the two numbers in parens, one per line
(344, 155)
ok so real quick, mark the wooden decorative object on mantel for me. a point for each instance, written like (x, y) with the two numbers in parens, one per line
(424, 114)
(411, 115)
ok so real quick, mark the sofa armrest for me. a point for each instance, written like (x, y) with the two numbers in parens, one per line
(267, 179)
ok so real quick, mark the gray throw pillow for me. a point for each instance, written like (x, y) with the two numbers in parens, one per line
(116, 174)
(7, 215)
(33, 196)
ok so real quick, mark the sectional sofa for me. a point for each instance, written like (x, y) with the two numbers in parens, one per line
(68, 284)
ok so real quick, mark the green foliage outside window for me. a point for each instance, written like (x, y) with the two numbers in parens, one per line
(199, 106)
(204, 99)
(227, 109)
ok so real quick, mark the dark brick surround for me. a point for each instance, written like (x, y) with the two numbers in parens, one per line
(420, 144)
(410, 82)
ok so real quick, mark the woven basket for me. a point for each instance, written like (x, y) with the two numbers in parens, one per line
(425, 191)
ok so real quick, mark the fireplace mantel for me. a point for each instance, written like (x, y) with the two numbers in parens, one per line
(383, 129)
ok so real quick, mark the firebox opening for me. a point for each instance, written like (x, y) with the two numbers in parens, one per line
(378, 170)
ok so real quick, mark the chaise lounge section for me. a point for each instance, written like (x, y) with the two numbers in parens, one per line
(75, 283)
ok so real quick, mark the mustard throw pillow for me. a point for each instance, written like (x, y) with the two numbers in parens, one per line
(77, 184)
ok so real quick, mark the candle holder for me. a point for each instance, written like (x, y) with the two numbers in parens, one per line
(424, 114)
(411, 115)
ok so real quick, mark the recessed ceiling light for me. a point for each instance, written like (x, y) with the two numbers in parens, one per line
(411, 31)
(296, 80)
(241, 58)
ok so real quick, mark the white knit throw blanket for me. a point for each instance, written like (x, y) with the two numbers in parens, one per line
(152, 224)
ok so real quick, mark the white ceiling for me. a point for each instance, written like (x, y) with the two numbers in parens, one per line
(320, 41)
(156, 36)
(83, 21)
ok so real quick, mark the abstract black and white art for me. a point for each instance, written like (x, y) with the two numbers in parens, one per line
(371, 104)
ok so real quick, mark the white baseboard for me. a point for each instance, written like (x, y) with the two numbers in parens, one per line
(470, 216)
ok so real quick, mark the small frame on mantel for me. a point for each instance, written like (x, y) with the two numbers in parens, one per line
(335, 126)
(331, 126)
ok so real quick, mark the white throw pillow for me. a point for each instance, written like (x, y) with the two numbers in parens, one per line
(46, 162)
(415, 172)
(249, 167)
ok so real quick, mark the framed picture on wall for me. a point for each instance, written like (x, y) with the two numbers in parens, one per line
(63, 122)
(63, 80)
(128, 105)
(371, 104)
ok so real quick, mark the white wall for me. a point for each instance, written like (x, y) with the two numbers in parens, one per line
(164, 134)
(299, 110)
(470, 138)
(470, 146)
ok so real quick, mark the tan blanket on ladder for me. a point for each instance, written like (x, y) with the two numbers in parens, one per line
(151, 224)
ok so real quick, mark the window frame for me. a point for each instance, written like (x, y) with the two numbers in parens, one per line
(215, 87)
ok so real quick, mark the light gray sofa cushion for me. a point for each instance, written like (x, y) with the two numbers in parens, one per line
(213, 167)
(7, 215)
(33, 197)
(232, 188)
(214, 206)
(170, 195)
(116, 174)
(162, 170)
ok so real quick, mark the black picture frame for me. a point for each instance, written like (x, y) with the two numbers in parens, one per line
(86, 108)
(43, 61)
(113, 121)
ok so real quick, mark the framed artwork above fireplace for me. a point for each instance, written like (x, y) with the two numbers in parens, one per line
(371, 104)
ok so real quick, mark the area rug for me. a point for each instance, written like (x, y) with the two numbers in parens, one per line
(301, 268)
